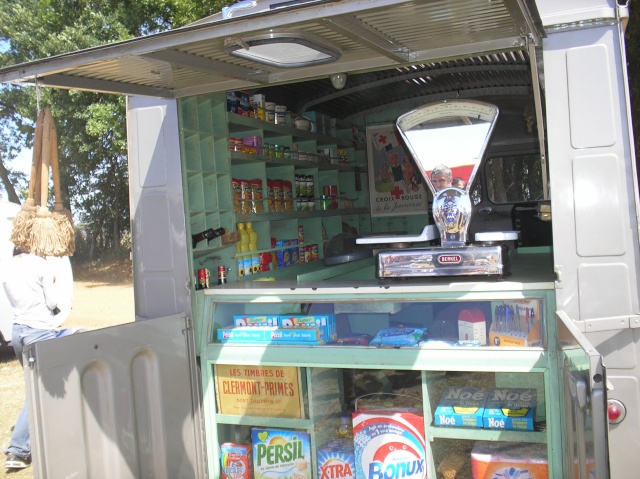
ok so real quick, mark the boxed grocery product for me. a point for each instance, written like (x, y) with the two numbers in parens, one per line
(255, 320)
(270, 335)
(336, 460)
(389, 443)
(280, 453)
(472, 326)
(325, 322)
(516, 323)
(490, 460)
(510, 408)
(236, 461)
(461, 407)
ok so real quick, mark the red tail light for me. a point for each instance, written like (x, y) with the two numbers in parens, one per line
(616, 412)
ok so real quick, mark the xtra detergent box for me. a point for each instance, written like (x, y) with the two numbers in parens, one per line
(510, 408)
(270, 335)
(461, 407)
(490, 460)
(281, 454)
(326, 323)
(389, 443)
(336, 460)
(236, 461)
(255, 320)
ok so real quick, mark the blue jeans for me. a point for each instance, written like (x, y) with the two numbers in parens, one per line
(21, 336)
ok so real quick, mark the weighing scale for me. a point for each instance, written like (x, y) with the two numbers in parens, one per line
(448, 140)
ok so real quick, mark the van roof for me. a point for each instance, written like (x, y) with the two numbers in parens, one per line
(378, 39)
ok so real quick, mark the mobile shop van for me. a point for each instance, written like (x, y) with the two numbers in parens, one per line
(548, 312)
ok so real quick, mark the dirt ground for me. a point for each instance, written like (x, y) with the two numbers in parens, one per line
(103, 296)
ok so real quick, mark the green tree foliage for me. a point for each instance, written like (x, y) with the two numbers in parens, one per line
(91, 126)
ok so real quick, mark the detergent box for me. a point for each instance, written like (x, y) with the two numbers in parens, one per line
(510, 408)
(281, 454)
(389, 443)
(490, 460)
(236, 462)
(336, 460)
(461, 407)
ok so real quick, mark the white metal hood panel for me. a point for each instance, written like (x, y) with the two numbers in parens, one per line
(372, 34)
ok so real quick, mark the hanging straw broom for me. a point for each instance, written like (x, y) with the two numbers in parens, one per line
(23, 221)
(61, 216)
(45, 238)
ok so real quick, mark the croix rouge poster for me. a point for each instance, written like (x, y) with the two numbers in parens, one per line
(396, 186)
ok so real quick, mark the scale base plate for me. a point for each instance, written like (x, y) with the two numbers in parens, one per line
(472, 260)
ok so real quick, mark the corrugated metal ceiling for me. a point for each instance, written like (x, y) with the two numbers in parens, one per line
(391, 49)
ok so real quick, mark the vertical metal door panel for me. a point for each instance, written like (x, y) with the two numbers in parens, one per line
(585, 393)
(116, 403)
(160, 263)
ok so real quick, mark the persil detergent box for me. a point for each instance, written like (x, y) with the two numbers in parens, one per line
(389, 444)
(255, 320)
(236, 462)
(461, 407)
(326, 323)
(281, 454)
(336, 460)
(510, 408)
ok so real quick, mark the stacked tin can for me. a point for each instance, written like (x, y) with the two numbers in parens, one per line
(304, 187)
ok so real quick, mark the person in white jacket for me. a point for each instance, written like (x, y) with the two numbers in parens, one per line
(29, 282)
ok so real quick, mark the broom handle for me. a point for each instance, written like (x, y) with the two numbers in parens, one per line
(55, 166)
(36, 162)
(46, 159)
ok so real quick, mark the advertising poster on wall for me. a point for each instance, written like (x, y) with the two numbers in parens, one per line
(395, 184)
(267, 391)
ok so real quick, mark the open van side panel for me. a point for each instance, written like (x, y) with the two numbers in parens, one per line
(120, 406)
(593, 195)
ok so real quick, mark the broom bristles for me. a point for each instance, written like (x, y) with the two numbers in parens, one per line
(45, 238)
(64, 223)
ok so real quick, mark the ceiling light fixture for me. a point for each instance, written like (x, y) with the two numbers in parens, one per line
(282, 50)
(338, 80)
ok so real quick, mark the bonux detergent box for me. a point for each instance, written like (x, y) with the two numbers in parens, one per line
(281, 454)
(236, 462)
(461, 407)
(336, 460)
(510, 408)
(389, 444)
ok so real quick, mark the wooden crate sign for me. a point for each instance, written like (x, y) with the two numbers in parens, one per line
(272, 391)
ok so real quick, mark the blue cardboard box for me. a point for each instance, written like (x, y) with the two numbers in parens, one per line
(510, 408)
(462, 407)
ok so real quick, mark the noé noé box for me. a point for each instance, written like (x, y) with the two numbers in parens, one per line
(461, 407)
(510, 408)
(281, 454)
(389, 443)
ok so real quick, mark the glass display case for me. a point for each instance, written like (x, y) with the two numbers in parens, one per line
(457, 374)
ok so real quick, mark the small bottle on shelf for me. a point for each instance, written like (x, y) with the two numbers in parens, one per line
(253, 247)
(222, 275)
(241, 248)
(344, 429)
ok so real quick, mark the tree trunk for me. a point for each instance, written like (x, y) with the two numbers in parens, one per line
(8, 187)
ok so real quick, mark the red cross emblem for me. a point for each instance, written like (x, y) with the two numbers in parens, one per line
(397, 192)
